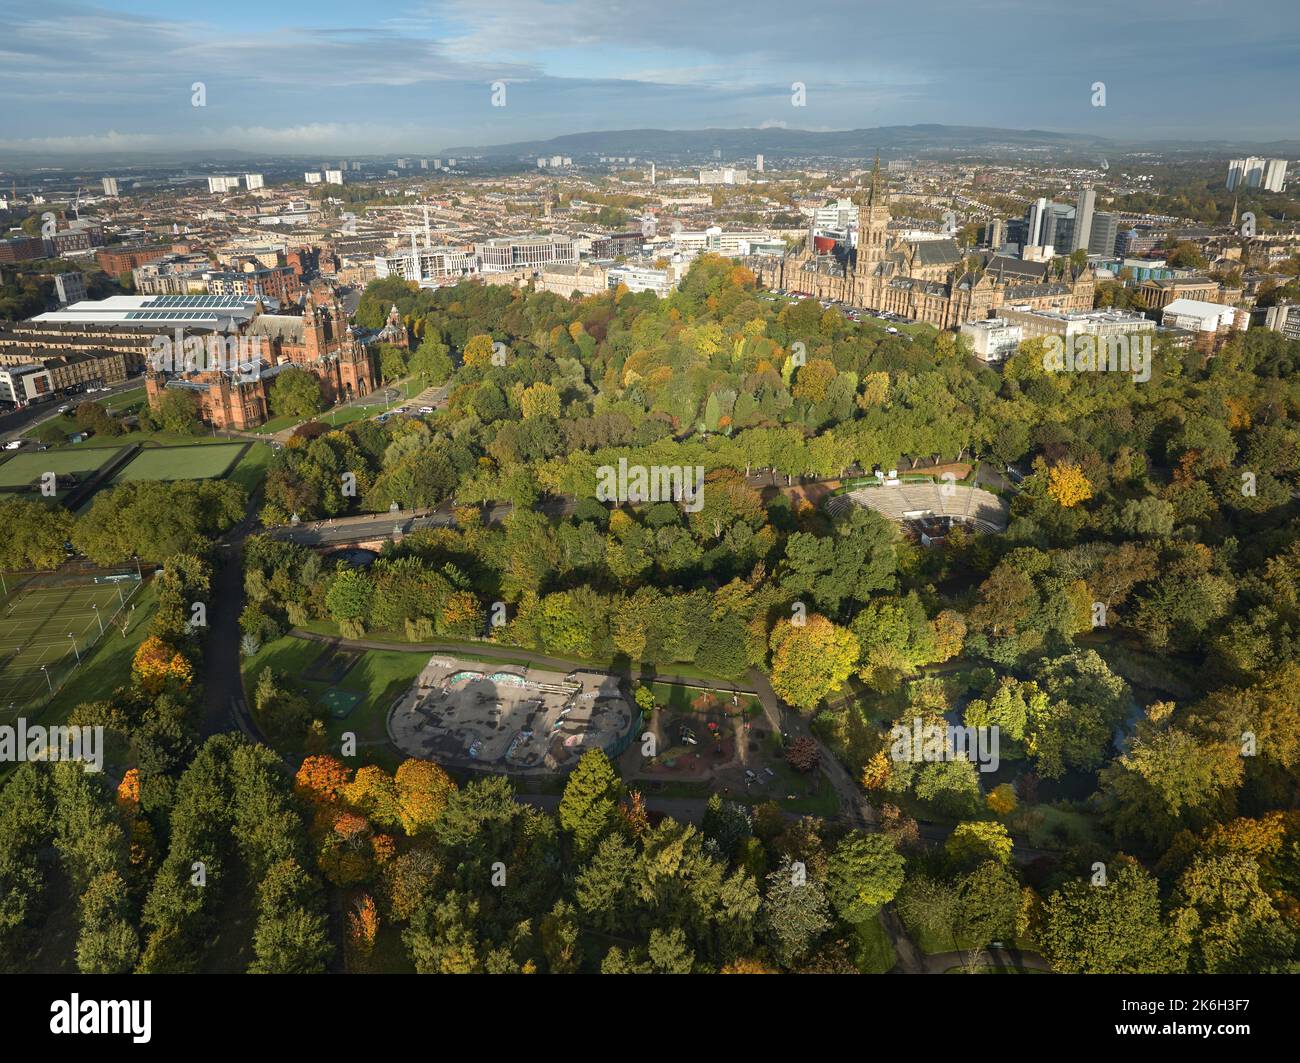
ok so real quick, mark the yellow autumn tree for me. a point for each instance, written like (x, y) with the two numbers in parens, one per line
(157, 665)
(1001, 800)
(1067, 486)
(478, 351)
(540, 400)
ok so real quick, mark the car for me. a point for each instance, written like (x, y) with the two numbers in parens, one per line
(64, 408)
(892, 330)
(13, 444)
(426, 409)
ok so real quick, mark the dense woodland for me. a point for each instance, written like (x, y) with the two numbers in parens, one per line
(1162, 745)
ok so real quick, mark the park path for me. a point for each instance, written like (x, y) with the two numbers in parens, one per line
(939, 962)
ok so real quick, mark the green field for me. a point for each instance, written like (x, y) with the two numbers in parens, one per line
(378, 678)
(42, 630)
(181, 463)
(26, 468)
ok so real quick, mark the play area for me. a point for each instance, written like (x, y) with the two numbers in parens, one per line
(512, 717)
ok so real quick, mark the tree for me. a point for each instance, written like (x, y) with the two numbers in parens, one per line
(972, 843)
(803, 754)
(811, 660)
(863, 874)
(478, 352)
(589, 807)
(107, 943)
(32, 534)
(795, 913)
(989, 904)
(431, 364)
(540, 400)
(1067, 486)
(296, 393)
(1114, 928)
(178, 412)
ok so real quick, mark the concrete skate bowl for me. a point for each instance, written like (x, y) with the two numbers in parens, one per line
(919, 502)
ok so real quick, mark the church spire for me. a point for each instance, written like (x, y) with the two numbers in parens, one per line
(875, 181)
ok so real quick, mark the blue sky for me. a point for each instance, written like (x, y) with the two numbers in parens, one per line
(342, 78)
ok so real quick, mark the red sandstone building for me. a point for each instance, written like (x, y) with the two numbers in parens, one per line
(319, 340)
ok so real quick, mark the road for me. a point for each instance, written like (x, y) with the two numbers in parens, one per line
(14, 423)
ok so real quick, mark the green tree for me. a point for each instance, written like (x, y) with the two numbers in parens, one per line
(863, 874)
(589, 807)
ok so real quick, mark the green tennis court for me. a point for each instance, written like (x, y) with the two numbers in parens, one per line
(43, 628)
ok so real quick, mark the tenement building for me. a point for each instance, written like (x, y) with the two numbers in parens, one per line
(922, 280)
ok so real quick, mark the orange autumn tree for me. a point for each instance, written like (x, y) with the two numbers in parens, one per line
(363, 927)
(128, 793)
(423, 790)
(321, 779)
(157, 666)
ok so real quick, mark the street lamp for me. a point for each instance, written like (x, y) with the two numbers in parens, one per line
(95, 607)
(47, 678)
(74, 647)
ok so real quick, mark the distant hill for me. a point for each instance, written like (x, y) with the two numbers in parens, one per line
(776, 142)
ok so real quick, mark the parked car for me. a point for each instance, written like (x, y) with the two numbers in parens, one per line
(13, 444)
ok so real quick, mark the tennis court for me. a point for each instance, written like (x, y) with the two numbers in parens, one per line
(43, 628)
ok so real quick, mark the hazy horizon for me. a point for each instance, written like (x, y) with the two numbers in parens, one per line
(87, 78)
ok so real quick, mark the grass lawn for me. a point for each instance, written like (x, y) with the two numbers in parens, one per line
(28, 467)
(1051, 827)
(181, 463)
(873, 952)
(251, 470)
(380, 676)
(678, 696)
(120, 402)
(471, 647)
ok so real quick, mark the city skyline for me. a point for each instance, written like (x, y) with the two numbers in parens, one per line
(97, 77)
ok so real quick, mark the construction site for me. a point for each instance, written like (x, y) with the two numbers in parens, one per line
(511, 718)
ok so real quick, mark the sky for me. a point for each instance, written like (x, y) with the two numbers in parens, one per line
(343, 78)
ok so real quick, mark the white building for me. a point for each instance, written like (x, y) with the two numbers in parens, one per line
(1196, 315)
(1256, 172)
(641, 279)
(508, 253)
(994, 339)
(253, 180)
(725, 175)
(221, 185)
(333, 177)
(23, 383)
(1284, 318)
(758, 163)
(70, 286)
(427, 265)
(312, 177)
(110, 186)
